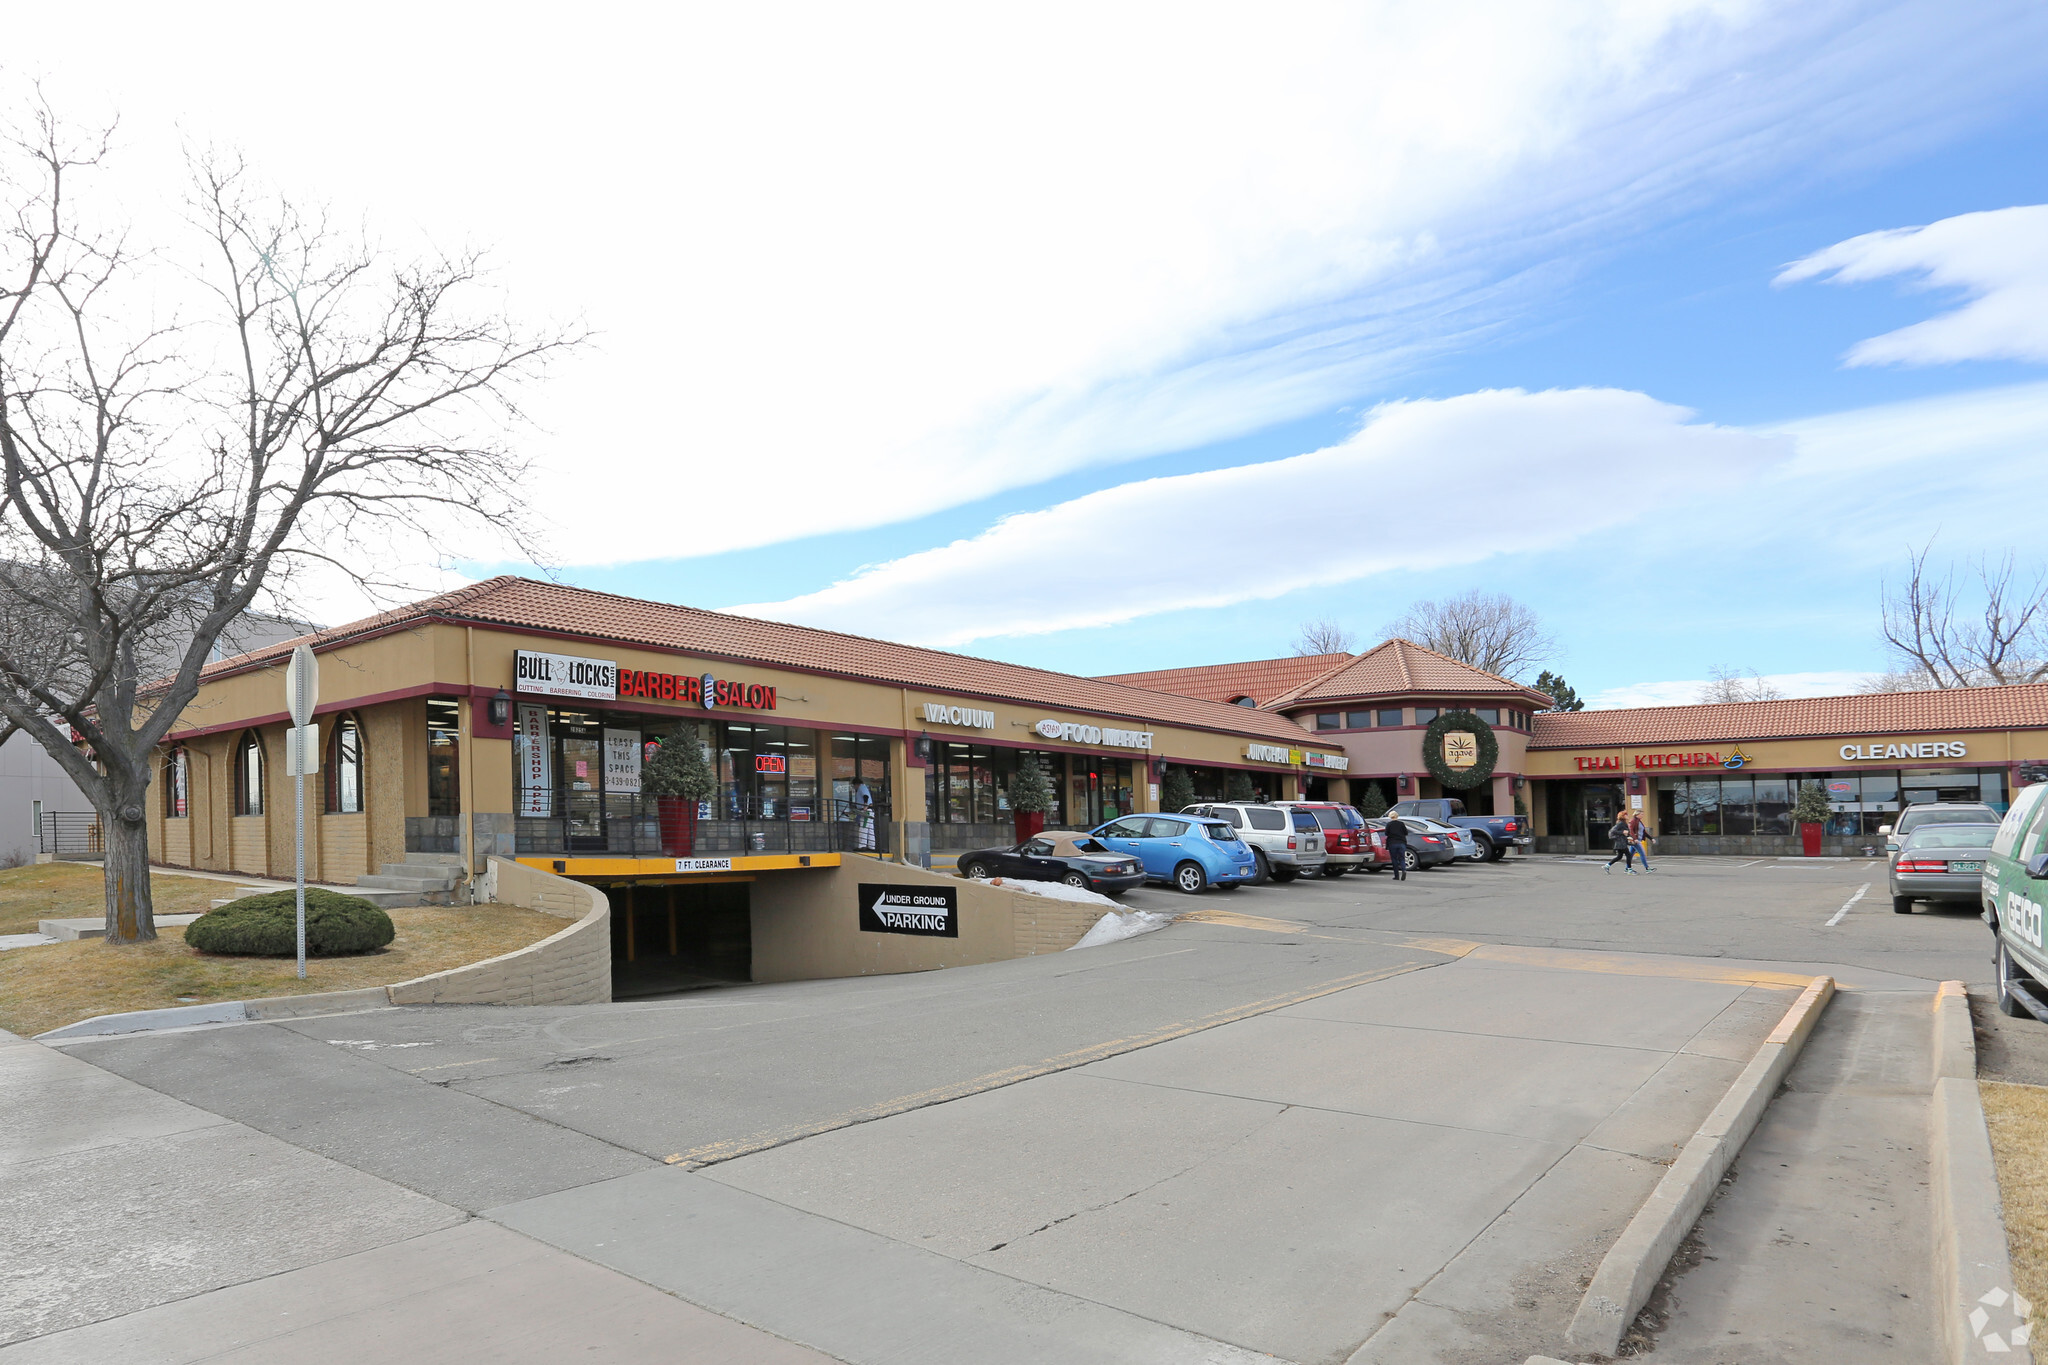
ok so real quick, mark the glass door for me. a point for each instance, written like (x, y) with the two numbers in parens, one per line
(1602, 805)
(582, 769)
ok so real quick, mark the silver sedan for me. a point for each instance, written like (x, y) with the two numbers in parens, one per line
(1463, 846)
(1941, 863)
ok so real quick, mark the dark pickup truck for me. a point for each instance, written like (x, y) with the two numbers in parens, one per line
(1495, 834)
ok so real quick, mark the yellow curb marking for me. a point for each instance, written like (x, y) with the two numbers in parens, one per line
(1237, 921)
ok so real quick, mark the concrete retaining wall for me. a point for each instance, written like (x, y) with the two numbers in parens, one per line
(573, 967)
(806, 925)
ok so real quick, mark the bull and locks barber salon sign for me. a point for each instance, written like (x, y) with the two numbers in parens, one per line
(565, 675)
(931, 911)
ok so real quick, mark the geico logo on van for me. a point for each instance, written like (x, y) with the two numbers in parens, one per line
(2023, 917)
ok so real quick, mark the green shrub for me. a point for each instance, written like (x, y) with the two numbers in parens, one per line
(267, 926)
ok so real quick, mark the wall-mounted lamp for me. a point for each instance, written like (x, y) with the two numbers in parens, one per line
(922, 747)
(1401, 783)
(500, 709)
(1635, 784)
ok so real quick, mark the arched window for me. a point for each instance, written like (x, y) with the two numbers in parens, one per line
(177, 784)
(345, 768)
(249, 775)
(1245, 701)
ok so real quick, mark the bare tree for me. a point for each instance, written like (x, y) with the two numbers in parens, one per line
(1937, 634)
(1732, 684)
(1323, 636)
(162, 470)
(1897, 680)
(1487, 630)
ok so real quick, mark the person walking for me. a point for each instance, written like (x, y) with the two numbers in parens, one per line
(1617, 839)
(1639, 838)
(1397, 847)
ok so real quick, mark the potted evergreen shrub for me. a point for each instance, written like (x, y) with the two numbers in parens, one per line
(1238, 787)
(1373, 803)
(1176, 789)
(1810, 812)
(1030, 798)
(678, 777)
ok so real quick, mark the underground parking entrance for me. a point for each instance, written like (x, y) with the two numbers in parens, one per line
(680, 935)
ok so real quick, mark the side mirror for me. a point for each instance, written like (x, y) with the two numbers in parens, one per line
(1884, 829)
(2037, 867)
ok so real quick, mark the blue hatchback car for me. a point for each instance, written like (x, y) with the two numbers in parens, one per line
(1189, 851)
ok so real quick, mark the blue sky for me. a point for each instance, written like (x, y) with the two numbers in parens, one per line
(1112, 340)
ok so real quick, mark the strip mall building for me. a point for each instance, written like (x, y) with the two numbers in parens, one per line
(1710, 779)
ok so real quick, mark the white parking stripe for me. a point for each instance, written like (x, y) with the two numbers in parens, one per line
(1759, 860)
(1860, 891)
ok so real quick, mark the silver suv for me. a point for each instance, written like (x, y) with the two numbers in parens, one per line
(1283, 848)
(1935, 813)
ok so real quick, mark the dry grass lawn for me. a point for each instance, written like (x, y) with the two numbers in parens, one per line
(47, 987)
(76, 891)
(2018, 1118)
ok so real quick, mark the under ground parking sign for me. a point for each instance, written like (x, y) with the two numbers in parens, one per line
(933, 911)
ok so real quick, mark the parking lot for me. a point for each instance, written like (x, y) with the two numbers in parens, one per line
(1325, 1121)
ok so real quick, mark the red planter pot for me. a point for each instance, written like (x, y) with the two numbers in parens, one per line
(1029, 822)
(678, 816)
(1809, 839)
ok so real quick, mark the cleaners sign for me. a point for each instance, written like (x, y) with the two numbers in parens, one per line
(932, 911)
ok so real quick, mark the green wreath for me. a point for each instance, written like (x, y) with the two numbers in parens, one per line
(1433, 749)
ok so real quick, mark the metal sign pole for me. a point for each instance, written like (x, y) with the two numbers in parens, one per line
(301, 689)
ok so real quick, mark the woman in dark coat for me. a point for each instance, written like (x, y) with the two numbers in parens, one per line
(1618, 838)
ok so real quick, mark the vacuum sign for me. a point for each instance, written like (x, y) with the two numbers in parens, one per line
(933, 911)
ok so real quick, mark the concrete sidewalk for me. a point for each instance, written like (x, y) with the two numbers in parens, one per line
(139, 1229)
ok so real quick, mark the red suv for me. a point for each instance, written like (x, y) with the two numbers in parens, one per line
(1345, 841)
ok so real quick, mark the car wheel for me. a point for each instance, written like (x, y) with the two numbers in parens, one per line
(1499, 854)
(1190, 878)
(2008, 1003)
(1409, 862)
(1332, 871)
(1228, 886)
(977, 870)
(1263, 864)
(1284, 875)
(1076, 879)
(1483, 847)
(1902, 905)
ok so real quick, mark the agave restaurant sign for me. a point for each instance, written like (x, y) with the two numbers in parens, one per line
(1461, 749)
(1940, 748)
(1094, 734)
(967, 717)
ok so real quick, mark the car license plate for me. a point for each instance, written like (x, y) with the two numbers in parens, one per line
(1966, 867)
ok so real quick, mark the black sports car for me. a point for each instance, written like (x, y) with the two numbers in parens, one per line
(1058, 855)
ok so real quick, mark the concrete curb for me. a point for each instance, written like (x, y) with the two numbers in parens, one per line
(1972, 1269)
(1628, 1273)
(223, 1012)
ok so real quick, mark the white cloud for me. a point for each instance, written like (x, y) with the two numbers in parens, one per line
(1998, 259)
(1422, 485)
(1686, 691)
(852, 264)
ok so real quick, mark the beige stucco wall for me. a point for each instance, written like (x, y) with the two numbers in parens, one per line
(806, 924)
(573, 967)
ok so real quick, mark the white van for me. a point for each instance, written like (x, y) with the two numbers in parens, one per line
(1283, 847)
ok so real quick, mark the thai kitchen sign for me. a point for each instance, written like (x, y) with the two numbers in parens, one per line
(565, 675)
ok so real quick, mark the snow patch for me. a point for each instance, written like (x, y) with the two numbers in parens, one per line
(1119, 925)
(1058, 891)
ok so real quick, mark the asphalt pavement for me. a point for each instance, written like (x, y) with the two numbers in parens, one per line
(1349, 1119)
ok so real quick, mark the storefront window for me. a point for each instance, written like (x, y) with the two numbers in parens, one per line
(1424, 714)
(249, 775)
(444, 728)
(178, 784)
(1358, 720)
(345, 768)
(1390, 717)
(1489, 714)
(1773, 805)
(1329, 720)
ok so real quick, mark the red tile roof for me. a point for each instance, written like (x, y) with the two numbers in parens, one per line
(525, 603)
(2023, 706)
(1402, 668)
(1259, 679)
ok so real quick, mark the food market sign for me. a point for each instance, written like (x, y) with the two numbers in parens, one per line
(1094, 734)
(1940, 748)
(565, 675)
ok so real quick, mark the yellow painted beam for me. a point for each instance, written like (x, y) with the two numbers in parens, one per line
(666, 867)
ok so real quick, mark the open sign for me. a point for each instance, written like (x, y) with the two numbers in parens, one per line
(771, 763)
